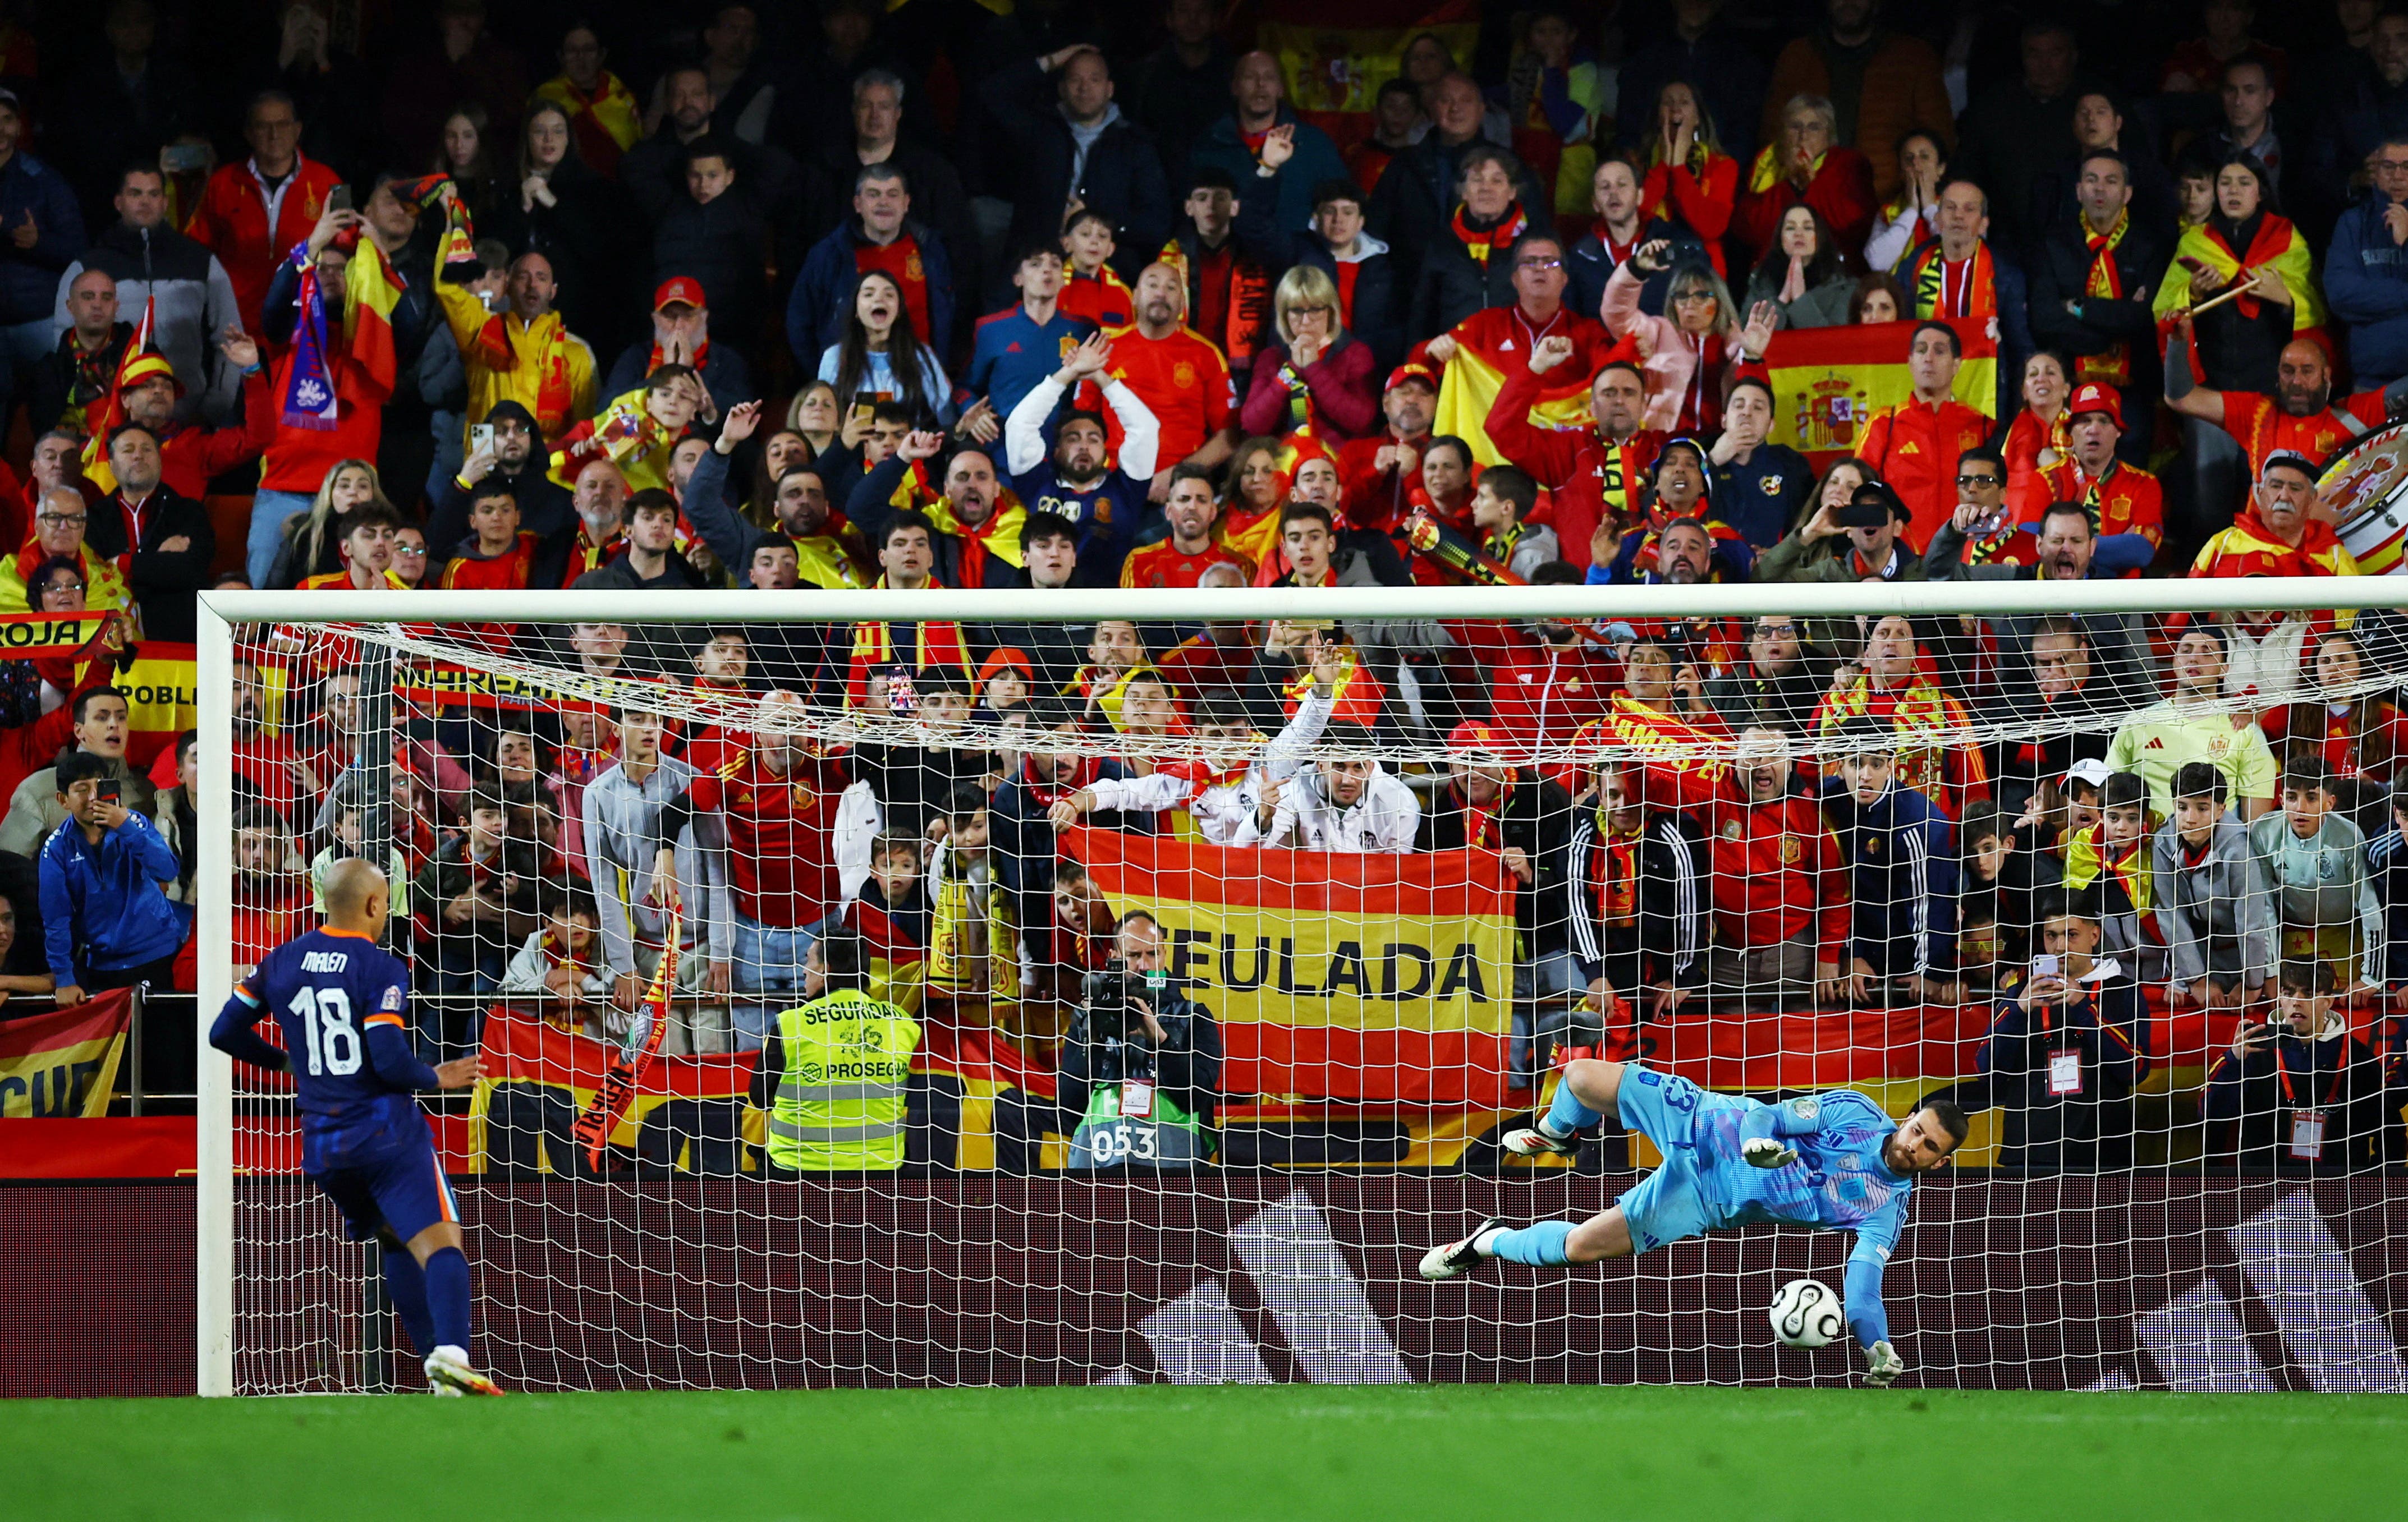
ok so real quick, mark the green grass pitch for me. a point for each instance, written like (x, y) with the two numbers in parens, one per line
(1218, 1455)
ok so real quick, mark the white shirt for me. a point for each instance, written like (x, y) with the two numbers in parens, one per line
(1382, 821)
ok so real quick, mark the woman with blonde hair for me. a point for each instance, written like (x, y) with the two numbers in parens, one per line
(1682, 357)
(310, 547)
(1317, 379)
(815, 415)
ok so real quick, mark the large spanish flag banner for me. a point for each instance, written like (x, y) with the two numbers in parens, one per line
(1349, 978)
(1335, 54)
(64, 1065)
(1828, 382)
(1467, 394)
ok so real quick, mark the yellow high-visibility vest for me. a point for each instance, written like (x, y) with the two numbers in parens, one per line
(840, 1101)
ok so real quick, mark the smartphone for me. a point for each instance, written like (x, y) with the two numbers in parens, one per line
(183, 158)
(339, 198)
(108, 790)
(2044, 966)
(865, 402)
(480, 436)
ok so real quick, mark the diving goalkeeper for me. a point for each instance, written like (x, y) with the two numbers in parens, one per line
(1830, 1159)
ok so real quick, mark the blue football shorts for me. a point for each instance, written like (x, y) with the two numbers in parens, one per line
(1671, 1202)
(404, 1189)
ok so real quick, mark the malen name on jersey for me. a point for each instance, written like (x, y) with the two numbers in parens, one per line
(324, 961)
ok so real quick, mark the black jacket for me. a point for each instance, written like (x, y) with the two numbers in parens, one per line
(2061, 271)
(1536, 817)
(1665, 939)
(1123, 177)
(1452, 285)
(2083, 1131)
(545, 507)
(164, 580)
(2252, 1104)
(1185, 1067)
(54, 377)
(721, 245)
(1377, 319)
(1415, 198)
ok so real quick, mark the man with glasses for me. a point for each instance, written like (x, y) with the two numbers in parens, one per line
(59, 518)
(253, 212)
(2366, 269)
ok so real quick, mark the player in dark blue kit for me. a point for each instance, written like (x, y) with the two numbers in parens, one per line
(1830, 1159)
(339, 998)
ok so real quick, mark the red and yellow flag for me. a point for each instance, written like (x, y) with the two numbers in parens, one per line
(1828, 382)
(64, 1065)
(1467, 394)
(1335, 54)
(1336, 977)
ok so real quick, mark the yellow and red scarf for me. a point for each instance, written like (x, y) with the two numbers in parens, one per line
(2112, 366)
(1928, 278)
(1769, 169)
(1480, 245)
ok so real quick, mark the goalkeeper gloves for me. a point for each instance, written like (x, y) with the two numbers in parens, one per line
(1766, 1152)
(1883, 1365)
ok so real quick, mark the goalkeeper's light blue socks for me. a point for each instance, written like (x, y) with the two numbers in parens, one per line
(447, 1298)
(1539, 1245)
(1567, 1114)
(406, 1283)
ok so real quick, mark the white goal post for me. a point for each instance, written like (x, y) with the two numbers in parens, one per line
(222, 614)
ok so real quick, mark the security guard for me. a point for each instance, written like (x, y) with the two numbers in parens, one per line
(833, 1070)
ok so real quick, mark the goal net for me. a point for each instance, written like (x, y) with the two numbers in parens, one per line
(1116, 986)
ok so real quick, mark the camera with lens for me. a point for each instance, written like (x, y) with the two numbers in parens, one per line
(1111, 996)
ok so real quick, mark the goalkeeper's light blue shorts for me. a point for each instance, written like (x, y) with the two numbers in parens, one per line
(1676, 1200)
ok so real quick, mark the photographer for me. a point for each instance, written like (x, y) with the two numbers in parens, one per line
(1140, 1075)
(105, 920)
(2063, 1076)
(2300, 1094)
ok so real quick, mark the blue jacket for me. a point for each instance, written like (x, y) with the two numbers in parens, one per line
(2365, 282)
(1902, 879)
(823, 292)
(1316, 159)
(29, 278)
(101, 905)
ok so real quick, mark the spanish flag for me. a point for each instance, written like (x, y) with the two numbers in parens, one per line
(1335, 54)
(64, 1065)
(1466, 390)
(1828, 382)
(136, 364)
(370, 291)
(1387, 979)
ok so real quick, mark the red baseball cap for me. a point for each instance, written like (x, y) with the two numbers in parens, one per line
(1473, 741)
(1009, 658)
(2090, 397)
(1412, 370)
(679, 288)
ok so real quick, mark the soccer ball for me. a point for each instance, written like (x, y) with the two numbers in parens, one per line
(1805, 1315)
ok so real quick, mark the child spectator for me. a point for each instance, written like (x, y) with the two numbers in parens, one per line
(564, 960)
(2215, 902)
(2300, 1095)
(2324, 894)
(893, 916)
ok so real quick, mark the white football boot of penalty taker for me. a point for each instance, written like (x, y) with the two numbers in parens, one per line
(449, 1373)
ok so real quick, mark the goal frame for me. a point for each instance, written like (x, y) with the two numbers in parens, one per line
(220, 614)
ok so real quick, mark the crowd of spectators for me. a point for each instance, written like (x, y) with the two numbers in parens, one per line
(911, 297)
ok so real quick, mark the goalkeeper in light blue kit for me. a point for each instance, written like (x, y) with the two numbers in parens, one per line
(1832, 1160)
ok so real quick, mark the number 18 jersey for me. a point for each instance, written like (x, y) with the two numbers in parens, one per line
(325, 990)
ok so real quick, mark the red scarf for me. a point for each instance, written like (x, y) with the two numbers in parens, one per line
(1968, 289)
(700, 357)
(1480, 245)
(1484, 828)
(2273, 235)
(1045, 791)
(1617, 878)
(585, 555)
(2113, 365)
